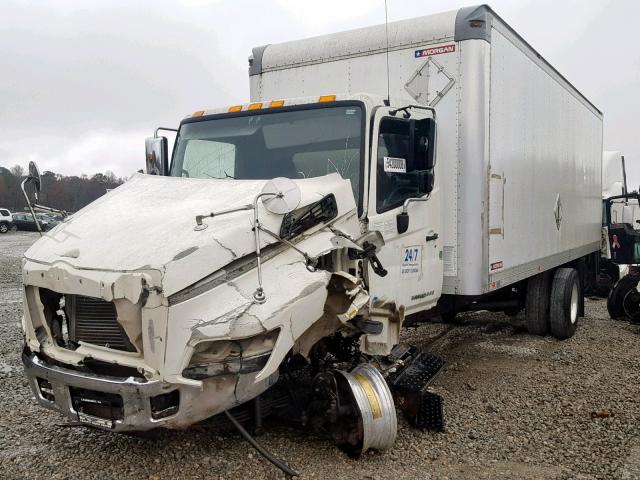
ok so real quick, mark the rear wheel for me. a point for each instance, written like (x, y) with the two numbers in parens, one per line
(623, 302)
(566, 293)
(4, 227)
(537, 304)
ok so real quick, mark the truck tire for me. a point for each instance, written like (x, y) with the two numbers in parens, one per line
(4, 227)
(537, 304)
(564, 310)
(619, 301)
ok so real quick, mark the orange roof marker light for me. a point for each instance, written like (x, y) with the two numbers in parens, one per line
(235, 108)
(276, 103)
(327, 98)
(199, 113)
(255, 106)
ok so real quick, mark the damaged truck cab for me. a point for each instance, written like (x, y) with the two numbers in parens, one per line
(189, 307)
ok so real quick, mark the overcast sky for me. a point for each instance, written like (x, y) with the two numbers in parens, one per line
(82, 83)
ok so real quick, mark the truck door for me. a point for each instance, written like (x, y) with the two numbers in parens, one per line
(403, 167)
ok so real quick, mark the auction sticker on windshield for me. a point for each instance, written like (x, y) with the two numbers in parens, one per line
(395, 165)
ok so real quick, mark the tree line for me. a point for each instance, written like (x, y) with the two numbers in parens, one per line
(69, 193)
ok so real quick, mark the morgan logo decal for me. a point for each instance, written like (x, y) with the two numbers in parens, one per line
(496, 266)
(428, 52)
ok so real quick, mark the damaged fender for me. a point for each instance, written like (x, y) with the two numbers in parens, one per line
(296, 299)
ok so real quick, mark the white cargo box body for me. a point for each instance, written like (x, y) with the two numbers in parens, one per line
(519, 148)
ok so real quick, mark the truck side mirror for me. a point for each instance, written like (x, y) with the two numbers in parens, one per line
(422, 137)
(34, 177)
(427, 179)
(157, 156)
(402, 222)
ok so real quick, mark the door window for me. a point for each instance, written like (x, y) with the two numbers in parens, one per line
(403, 166)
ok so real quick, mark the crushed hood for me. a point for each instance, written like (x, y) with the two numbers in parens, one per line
(148, 224)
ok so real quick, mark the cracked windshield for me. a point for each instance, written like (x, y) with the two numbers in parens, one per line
(294, 144)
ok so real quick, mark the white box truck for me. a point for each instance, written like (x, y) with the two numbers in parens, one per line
(374, 179)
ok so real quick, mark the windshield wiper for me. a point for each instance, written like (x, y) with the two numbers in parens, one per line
(226, 175)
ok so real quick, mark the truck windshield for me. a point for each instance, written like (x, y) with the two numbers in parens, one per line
(300, 143)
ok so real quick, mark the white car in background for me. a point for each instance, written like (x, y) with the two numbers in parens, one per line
(6, 220)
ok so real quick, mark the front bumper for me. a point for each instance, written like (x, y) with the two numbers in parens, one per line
(121, 404)
(136, 394)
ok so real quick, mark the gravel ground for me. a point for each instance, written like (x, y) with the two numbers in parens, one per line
(517, 406)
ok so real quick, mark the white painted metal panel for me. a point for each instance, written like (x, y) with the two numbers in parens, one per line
(471, 205)
(360, 42)
(545, 147)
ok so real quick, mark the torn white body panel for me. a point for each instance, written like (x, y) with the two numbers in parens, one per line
(296, 298)
(164, 214)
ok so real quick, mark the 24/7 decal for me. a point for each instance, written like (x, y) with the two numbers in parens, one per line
(411, 265)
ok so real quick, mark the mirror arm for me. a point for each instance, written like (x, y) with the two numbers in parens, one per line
(199, 218)
(279, 188)
(310, 261)
(402, 219)
(406, 109)
(259, 295)
(38, 207)
(26, 197)
(408, 201)
(155, 134)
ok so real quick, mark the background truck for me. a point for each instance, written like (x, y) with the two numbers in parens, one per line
(620, 209)
(619, 274)
(373, 180)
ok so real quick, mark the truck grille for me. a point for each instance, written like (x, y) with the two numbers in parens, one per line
(94, 320)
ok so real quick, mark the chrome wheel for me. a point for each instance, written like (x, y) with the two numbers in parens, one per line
(374, 425)
(575, 301)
